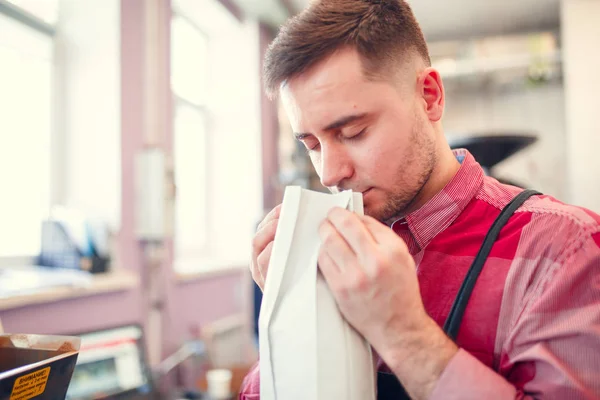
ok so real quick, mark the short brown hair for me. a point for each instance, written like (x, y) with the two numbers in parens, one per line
(382, 31)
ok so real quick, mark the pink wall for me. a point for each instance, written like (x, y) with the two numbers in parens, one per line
(74, 315)
(195, 304)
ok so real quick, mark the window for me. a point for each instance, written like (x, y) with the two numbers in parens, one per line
(190, 176)
(215, 81)
(26, 57)
(189, 61)
(189, 78)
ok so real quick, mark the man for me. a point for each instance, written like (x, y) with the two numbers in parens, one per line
(357, 85)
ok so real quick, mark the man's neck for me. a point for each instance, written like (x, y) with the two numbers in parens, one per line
(444, 170)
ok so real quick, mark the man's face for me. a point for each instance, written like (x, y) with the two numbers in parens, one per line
(369, 136)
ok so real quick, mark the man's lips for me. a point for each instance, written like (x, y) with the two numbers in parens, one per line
(366, 193)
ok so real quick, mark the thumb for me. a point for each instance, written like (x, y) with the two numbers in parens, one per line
(383, 234)
(378, 230)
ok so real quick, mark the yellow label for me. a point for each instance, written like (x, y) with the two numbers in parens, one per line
(30, 385)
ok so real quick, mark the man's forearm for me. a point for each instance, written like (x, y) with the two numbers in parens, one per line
(419, 357)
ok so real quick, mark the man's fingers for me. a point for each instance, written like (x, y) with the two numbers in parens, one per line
(387, 240)
(263, 261)
(379, 232)
(353, 230)
(329, 269)
(262, 246)
(344, 281)
(272, 215)
(264, 236)
(336, 247)
(254, 271)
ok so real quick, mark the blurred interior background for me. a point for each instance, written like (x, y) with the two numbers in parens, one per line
(138, 152)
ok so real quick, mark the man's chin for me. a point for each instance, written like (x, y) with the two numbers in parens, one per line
(386, 215)
(377, 214)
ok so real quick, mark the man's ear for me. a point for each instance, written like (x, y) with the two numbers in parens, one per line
(431, 88)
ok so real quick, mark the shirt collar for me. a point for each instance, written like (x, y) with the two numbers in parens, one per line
(442, 209)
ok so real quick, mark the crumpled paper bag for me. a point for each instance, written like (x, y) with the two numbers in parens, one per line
(307, 349)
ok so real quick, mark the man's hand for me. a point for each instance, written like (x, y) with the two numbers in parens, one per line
(373, 279)
(262, 246)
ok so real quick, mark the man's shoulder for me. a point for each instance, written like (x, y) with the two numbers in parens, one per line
(543, 207)
(551, 225)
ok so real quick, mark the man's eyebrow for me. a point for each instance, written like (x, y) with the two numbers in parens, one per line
(339, 123)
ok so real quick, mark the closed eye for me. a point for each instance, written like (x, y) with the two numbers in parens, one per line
(309, 141)
(356, 136)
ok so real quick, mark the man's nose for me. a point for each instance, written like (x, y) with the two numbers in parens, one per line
(335, 166)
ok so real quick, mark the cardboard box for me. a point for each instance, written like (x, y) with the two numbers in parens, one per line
(36, 366)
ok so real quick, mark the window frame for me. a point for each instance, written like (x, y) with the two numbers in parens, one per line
(26, 18)
(35, 23)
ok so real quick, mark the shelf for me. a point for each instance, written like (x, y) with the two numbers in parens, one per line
(103, 283)
(455, 69)
(191, 270)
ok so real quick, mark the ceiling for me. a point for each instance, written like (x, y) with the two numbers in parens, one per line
(273, 12)
(467, 18)
(444, 19)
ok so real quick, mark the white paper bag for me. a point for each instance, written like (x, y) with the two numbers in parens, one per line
(307, 349)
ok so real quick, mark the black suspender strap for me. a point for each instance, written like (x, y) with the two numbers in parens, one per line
(452, 324)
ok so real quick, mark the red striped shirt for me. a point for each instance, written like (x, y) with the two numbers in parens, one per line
(532, 326)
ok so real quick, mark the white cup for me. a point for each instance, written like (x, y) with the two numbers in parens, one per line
(219, 383)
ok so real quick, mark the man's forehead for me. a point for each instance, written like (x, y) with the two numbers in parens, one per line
(319, 108)
(341, 69)
(322, 92)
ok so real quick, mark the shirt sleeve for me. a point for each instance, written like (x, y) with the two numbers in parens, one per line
(552, 350)
(251, 385)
